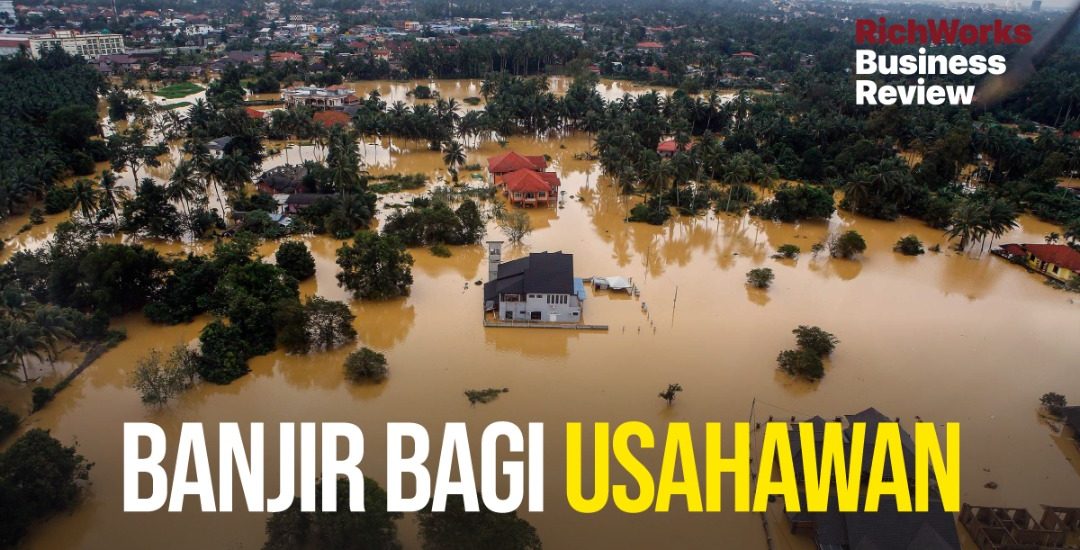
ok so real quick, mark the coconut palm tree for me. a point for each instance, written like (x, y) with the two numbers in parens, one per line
(21, 338)
(969, 222)
(454, 157)
(184, 185)
(111, 195)
(86, 197)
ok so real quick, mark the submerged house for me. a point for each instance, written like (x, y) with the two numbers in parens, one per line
(523, 179)
(1060, 262)
(539, 287)
(286, 179)
(886, 529)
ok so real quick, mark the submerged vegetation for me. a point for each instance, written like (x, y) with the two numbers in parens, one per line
(806, 360)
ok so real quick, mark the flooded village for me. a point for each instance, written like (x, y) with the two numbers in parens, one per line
(579, 314)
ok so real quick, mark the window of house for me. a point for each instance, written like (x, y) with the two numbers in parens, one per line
(536, 316)
(509, 315)
(1055, 269)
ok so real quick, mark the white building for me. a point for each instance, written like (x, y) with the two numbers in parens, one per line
(88, 46)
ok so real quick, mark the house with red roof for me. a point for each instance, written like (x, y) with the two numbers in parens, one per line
(650, 46)
(1060, 262)
(747, 56)
(329, 119)
(513, 161)
(527, 187)
(254, 113)
(669, 147)
(282, 57)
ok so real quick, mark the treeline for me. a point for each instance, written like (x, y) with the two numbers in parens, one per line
(48, 125)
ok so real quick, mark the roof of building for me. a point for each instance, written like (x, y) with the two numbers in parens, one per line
(509, 162)
(539, 273)
(671, 146)
(284, 179)
(304, 199)
(1058, 254)
(650, 45)
(220, 143)
(1072, 418)
(531, 181)
(254, 113)
(332, 118)
(872, 417)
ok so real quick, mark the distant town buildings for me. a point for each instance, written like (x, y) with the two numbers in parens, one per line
(87, 46)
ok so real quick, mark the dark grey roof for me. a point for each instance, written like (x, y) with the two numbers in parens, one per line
(305, 198)
(284, 179)
(872, 417)
(539, 273)
(1072, 418)
(888, 529)
(220, 143)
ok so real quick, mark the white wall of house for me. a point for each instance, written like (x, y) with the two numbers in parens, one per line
(561, 308)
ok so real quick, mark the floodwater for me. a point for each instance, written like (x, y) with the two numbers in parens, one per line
(944, 336)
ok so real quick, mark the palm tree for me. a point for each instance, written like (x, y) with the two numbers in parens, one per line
(969, 222)
(1052, 237)
(54, 327)
(86, 197)
(184, 184)
(21, 338)
(111, 195)
(454, 157)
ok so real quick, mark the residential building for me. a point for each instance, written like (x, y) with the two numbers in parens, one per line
(500, 165)
(285, 179)
(886, 529)
(10, 44)
(669, 147)
(527, 187)
(88, 46)
(219, 147)
(334, 97)
(7, 13)
(1060, 262)
(996, 528)
(539, 287)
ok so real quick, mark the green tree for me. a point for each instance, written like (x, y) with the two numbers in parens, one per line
(453, 157)
(375, 267)
(847, 245)
(909, 246)
(456, 529)
(40, 477)
(372, 529)
(295, 259)
(761, 277)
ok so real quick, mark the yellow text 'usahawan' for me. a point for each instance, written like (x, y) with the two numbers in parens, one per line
(830, 467)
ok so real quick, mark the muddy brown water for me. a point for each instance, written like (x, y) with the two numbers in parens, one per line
(943, 336)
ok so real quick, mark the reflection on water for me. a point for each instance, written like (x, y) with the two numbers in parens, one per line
(945, 336)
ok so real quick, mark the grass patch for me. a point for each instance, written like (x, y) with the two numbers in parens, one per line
(173, 106)
(178, 90)
(395, 183)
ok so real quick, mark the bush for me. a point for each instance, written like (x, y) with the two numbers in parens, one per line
(847, 245)
(8, 422)
(441, 251)
(59, 198)
(1054, 402)
(365, 365)
(40, 397)
(815, 340)
(802, 363)
(653, 211)
(295, 259)
(761, 277)
(909, 246)
(486, 395)
(788, 251)
(160, 379)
